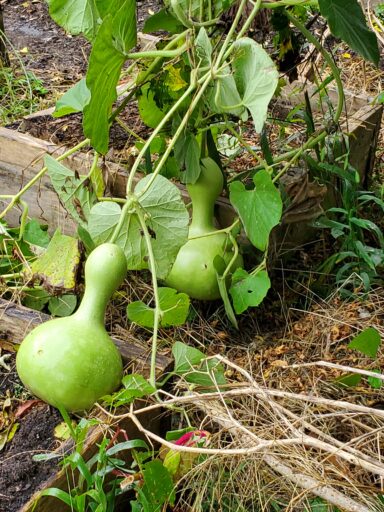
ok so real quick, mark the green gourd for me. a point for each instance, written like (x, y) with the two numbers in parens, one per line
(71, 362)
(193, 271)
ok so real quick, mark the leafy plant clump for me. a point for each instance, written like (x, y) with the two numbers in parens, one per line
(21, 93)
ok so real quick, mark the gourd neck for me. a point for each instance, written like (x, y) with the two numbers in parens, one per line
(203, 195)
(93, 306)
(202, 219)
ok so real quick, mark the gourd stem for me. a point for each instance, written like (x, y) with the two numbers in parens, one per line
(152, 267)
(16, 198)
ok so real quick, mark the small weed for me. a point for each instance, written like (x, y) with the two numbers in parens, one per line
(21, 94)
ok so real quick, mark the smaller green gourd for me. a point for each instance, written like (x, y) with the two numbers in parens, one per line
(193, 271)
(71, 362)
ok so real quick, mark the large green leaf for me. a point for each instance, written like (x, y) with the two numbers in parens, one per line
(347, 21)
(74, 100)
(259, 209)
(75, 192)
(248, 290)
(256, 78)
(174, 309)
(103, 74)
(75, 16)
(166, 217)
(162, 20)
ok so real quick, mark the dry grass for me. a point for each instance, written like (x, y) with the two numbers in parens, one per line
(329, 437)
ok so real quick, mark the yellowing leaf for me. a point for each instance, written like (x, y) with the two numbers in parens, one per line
(24, 50)
(62, 431)
(174, 81)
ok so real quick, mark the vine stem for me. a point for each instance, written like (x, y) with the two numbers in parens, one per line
(211, 233)
(250, 18)
(177, 134)
(163, 54)
(223, 51)
(152, 266)
(287, 3)
(16, 198)
(155, 132)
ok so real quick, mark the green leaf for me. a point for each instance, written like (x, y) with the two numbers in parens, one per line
(127, 445)
(158, 488)
(36, 235)
(186, 357)
(374, 382)
(162, 20)
(103, 74)
(259, 209)
(124, 26)
(367, 342)
(57, 267)
(347, 21)
(351, 380)
(203, 47)
(135, 386)
(256, 78)
(248, 290)
(75, 16)
(74, 100)
(103, 219)
(166, 217)
(36, 299)
(191, 153)
(225, 97)
(62, 306)
(168, 221)
(59, 494)
(196, 369)
(174, 309)
(149, 111)
(75, 192)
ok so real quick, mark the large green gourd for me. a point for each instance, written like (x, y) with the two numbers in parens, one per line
(193, 271)
(71, 362)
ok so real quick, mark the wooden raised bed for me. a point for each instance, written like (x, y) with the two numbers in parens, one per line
(21, 157)
(15, 322)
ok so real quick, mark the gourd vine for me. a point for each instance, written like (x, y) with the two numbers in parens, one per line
(205, 79)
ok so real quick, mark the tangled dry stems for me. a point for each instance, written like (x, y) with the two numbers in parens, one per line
(284, 431)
